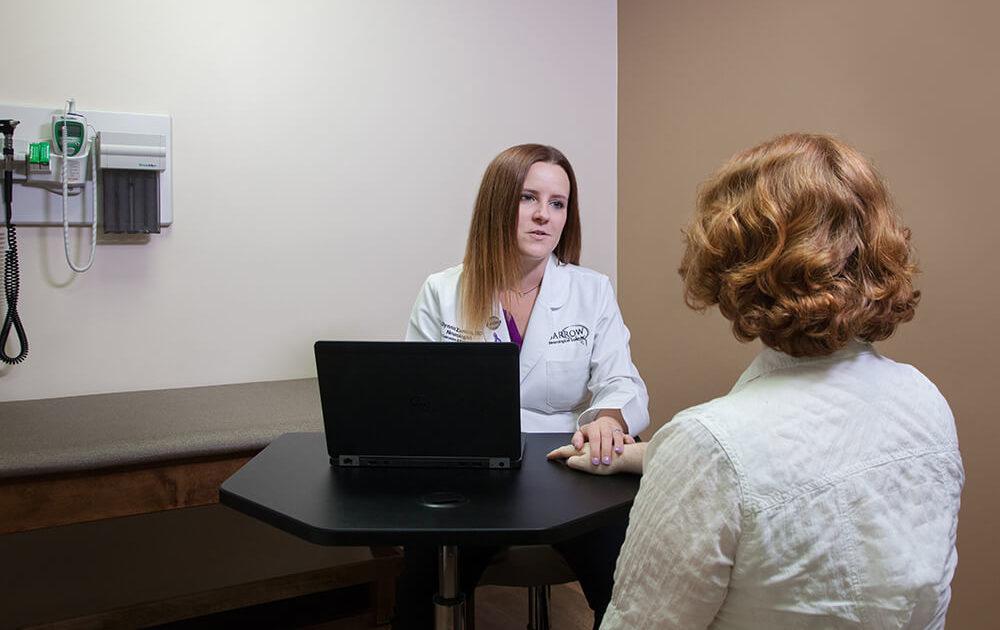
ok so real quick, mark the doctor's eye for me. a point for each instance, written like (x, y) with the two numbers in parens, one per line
(558, 204)
(527, 197)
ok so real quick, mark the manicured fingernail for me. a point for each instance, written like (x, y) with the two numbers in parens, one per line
(619, 449)
(595, 461)
(607, 459)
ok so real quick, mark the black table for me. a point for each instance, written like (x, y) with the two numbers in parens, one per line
(292, 486)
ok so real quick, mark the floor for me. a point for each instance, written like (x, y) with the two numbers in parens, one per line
(502, 607)
(497, 608)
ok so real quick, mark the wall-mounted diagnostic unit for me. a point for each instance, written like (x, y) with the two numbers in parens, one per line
(131, 165)
(68, 168)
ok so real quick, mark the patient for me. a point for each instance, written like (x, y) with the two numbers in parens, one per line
(823, 490)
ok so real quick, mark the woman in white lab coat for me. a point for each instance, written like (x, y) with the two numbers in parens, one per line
(520, 283)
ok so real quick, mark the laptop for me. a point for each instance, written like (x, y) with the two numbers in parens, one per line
(417, 404)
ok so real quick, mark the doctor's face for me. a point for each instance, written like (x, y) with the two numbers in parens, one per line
(542, 213)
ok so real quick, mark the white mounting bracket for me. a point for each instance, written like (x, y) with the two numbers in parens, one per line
(36, 204)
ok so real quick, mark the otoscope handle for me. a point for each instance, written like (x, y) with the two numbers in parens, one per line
(7, 126)
(8, 191)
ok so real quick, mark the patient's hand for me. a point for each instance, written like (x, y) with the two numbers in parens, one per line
(629, 461)
(607, 434)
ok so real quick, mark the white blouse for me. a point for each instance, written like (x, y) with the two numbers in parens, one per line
(818, 493)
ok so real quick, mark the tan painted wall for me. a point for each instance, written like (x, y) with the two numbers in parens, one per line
(915, 86)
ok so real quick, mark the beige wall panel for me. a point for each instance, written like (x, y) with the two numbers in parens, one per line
(915, 86)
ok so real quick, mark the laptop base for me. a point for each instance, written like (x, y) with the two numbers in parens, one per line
(375, 461)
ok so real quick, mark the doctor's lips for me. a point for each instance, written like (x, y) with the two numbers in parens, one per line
(538, 233)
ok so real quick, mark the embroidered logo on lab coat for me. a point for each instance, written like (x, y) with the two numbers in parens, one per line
(575, 333)
(493, 323)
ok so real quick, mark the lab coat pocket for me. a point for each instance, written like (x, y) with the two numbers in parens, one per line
(566, 383)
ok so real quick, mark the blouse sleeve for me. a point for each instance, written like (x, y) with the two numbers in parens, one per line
(614, 381)
(674, 568)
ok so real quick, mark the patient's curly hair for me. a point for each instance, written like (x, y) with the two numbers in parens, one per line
(798, 243)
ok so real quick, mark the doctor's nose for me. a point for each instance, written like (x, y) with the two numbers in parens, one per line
(541, 213)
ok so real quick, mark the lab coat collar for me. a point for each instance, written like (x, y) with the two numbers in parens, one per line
(770, 360)
(552, 295)
(555, 283)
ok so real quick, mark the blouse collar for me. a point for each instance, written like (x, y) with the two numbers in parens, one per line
(770, 360)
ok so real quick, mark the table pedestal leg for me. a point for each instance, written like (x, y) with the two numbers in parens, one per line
(449, 603)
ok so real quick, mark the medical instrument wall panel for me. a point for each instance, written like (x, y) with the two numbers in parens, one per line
(37, 202)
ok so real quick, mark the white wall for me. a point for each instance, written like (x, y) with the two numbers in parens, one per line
(326, 156)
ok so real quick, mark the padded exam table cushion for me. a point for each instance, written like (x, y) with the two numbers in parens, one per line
(75, 433)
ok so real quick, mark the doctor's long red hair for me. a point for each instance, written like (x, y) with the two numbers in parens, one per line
(492, 260)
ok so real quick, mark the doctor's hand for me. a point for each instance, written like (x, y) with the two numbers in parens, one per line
(605, 436)
(630, 460)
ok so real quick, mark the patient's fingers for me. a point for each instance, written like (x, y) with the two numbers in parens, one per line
(564, 452)
(581, 462)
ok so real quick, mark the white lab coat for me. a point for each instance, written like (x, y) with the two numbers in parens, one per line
(575, 357)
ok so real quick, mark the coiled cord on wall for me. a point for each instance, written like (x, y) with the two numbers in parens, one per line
(11, 280)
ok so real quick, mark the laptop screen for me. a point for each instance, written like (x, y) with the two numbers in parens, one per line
(420, 399)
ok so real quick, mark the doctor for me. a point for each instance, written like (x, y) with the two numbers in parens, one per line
(520, 282)
(521, 268)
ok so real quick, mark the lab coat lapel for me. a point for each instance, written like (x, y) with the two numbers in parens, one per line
(500, 334)
(540, 324)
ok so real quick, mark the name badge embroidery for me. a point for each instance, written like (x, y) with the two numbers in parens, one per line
(570, 334)
(450, 332)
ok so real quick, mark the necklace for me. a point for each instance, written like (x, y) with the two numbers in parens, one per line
(524, 293)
